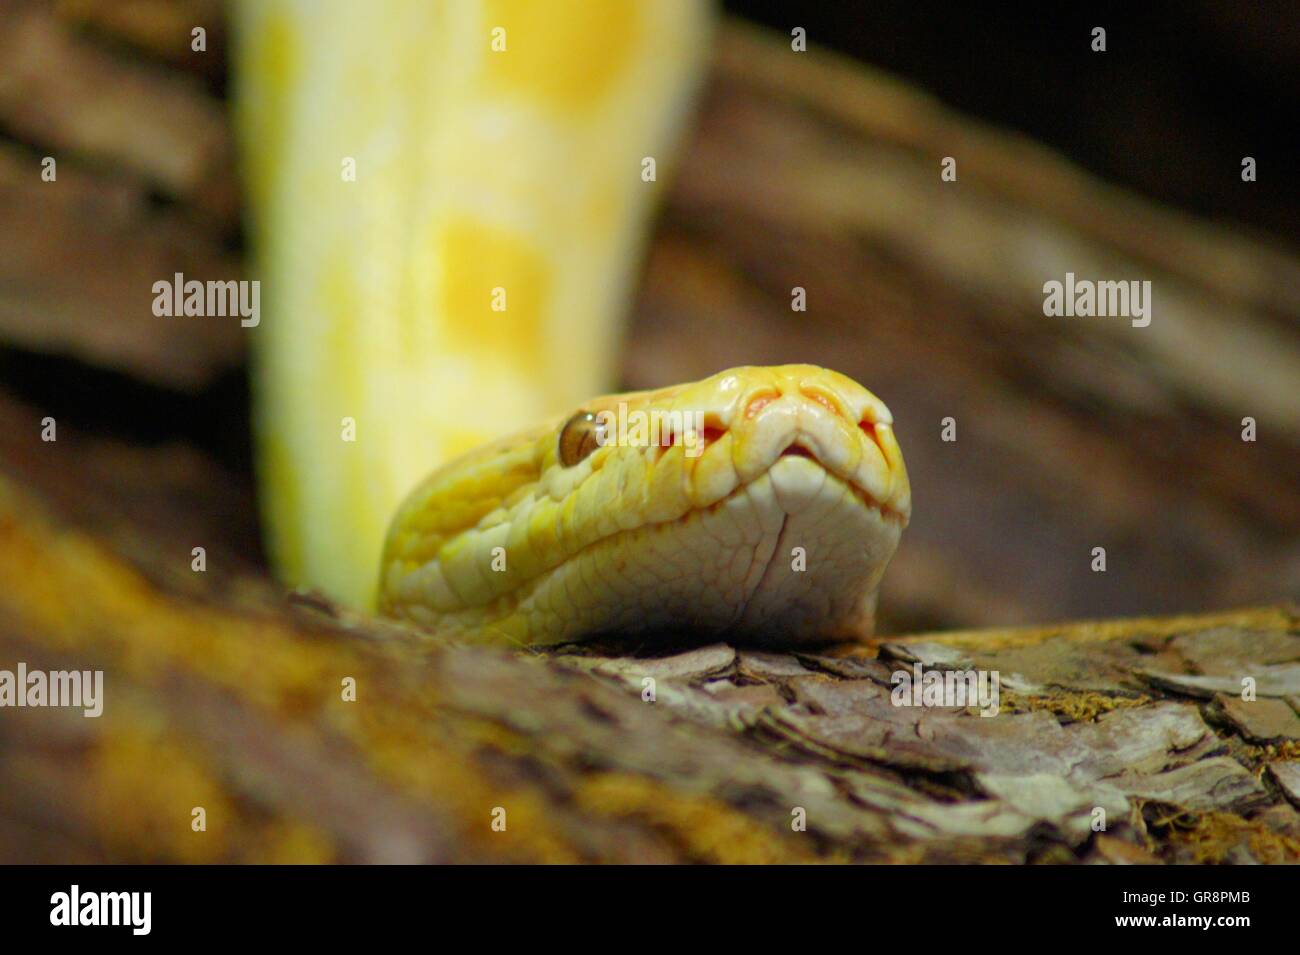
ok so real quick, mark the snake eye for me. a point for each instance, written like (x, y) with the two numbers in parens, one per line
(581, 434)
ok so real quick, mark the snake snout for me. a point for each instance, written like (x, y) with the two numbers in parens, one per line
(793, 425)
(848, 442)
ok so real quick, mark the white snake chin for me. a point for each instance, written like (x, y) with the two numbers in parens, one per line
(791, 557)
(777, 534)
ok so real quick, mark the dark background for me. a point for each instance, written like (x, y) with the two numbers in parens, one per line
(1182, 89)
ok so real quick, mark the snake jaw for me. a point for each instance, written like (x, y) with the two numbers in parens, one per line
(642, 535)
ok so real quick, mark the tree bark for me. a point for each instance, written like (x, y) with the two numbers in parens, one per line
(1120, 741)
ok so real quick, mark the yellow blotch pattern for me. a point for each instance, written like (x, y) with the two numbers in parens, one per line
(476, 259)
(564, 54)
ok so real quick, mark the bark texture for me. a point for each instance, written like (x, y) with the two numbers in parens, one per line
(1122, 741)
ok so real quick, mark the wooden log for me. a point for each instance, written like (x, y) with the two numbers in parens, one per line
(81, 256)
(238, 705)
(62, 90)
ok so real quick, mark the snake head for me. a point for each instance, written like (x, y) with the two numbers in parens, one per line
(760, 504)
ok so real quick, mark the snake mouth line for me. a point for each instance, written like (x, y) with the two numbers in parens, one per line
(799, 449)
(862, 495)
(525, 588)
(869, 503)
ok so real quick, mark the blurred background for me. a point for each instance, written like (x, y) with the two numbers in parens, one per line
(818, 170)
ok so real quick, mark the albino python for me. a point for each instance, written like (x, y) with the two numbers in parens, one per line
(771, 522)
(448, 201)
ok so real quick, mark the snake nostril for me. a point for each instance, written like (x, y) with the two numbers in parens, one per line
(869, 429)
(759, 402)
(826, 401)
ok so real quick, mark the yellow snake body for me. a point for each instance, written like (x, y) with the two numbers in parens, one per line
(447, 204)
(771, 522)
(448, 201)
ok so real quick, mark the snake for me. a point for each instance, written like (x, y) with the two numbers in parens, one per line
(447, 202)
(764, 511)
